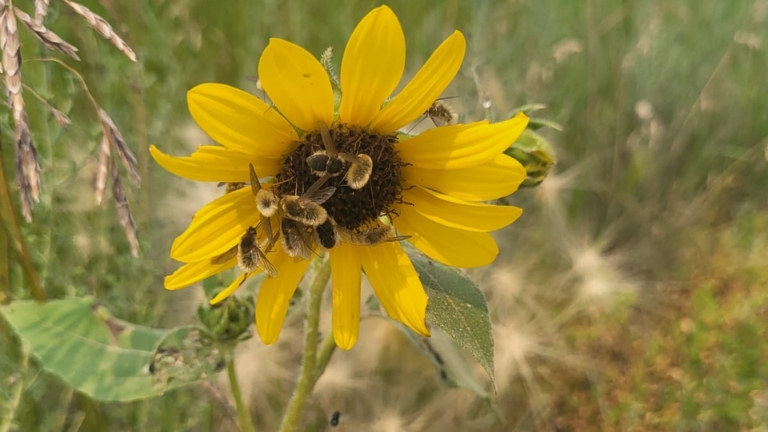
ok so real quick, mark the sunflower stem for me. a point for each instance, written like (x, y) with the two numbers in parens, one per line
(246, 425)
(308, 375)
(327, 347)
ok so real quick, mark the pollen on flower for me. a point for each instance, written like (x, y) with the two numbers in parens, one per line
(350, 208)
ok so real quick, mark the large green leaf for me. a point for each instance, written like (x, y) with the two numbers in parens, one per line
(457, 306)
(95, 353)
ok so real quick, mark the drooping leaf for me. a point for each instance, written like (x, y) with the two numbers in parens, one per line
(79, 340)
(457, 306)
(451, 363)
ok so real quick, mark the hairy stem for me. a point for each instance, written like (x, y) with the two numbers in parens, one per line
(308, 375)
(242, 411)
(327, 347)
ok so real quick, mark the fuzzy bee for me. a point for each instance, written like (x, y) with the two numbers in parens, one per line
(250, 257)
(326, 233)
(369, 236)
(331, 163)
(266, 204)
(298, 239)
(307, 208)
(441, 113)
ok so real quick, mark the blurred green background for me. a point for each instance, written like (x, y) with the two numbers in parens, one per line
(631, 295)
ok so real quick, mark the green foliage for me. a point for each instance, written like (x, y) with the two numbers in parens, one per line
(80, 341)
(457, 306)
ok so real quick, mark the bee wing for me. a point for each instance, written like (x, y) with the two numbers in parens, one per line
(295, 241)
(255, 185)
(321, 196)
(330, 146)
(226, 256)
(348, 236)
(263, 263)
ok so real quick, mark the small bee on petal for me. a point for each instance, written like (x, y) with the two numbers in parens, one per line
(250, 257)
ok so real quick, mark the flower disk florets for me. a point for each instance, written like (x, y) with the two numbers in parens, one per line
(351, 208)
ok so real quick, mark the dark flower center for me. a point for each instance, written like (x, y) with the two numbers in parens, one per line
(350, 208)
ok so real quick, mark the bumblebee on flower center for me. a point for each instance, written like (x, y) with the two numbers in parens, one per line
(362, 166)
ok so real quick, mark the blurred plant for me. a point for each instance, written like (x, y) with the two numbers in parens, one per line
(26, 155)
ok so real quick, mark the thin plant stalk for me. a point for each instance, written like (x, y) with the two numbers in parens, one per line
(246, 425)
(327, 348)
(308, 375)
(15, 237)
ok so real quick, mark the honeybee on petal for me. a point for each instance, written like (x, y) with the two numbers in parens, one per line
(266, 204)
(441, 113)
(232, 186)
(297, 239)
(369, 236)
(250, 258)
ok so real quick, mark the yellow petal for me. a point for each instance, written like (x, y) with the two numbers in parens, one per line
(275, 295)
(239, 120)
(396, 284)
(214, 163)
(216, 227)
(456, 213)
(461, 146)
(372, 66)
(194, 272)
(346, 275)
(234, 286)
(425, 87)
(488, 181)
(450, 246)
(297, 84)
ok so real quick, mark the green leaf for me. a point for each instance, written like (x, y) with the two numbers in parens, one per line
(92, 351)
(526, 109)
(535, 123)
(457, 306)
(444, 354)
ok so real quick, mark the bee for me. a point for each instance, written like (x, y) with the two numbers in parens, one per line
(307, 209)
(441, 113)
(266, 204)
(331, 163)
(359, 171)
(231, 186)
(250, 258)
(369, 236)
(326, 233)
(298, 240)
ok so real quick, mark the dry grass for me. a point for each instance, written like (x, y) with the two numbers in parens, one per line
(103, 28)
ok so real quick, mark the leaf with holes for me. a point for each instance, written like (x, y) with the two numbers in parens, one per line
(457, 306)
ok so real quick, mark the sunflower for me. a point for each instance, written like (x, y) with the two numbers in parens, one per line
(383, 188)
